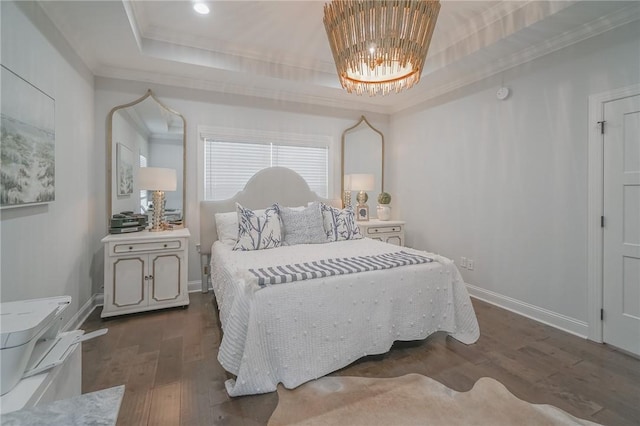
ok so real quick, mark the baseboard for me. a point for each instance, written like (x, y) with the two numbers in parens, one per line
(83, 313)
(536, 313)
(195, 286)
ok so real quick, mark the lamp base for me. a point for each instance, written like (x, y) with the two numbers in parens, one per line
(362, 197)
(157, 220)
(346, 199)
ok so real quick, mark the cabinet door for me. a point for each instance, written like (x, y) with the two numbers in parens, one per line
(128, 285)
(165, 270)
(395, 240)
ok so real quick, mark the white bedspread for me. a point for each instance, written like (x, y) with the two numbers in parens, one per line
(295, 332)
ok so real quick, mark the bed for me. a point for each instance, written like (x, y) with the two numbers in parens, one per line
(294, 313)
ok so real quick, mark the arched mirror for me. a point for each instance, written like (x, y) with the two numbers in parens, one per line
(363, 154)
(144, 133)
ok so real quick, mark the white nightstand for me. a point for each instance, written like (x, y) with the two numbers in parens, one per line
(144, 271)
(389, 231)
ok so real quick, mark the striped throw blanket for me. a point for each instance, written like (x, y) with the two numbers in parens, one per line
(338, 266)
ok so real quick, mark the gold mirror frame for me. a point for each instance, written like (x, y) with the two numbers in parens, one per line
(110, 149)
(344, 134)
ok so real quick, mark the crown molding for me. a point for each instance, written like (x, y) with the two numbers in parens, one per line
(225, 88)
(229, 53)
(134, 24)
(73, 47)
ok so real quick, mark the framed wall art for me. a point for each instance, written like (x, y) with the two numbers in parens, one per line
(27, 124)
(124, 169)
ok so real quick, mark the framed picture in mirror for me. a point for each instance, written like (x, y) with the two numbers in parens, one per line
(124, 166)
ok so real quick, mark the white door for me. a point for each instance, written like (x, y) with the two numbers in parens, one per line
(621, 239)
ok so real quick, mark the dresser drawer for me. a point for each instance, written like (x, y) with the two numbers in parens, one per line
(149, 246)
(376, 230)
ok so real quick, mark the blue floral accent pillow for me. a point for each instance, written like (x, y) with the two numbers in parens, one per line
(258, 231)
(339, 224)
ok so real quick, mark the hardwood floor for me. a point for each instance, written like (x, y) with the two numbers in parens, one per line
(167, 360)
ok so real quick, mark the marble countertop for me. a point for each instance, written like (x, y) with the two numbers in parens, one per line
(95, 408)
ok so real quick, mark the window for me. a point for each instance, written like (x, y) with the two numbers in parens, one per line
(229, 162)
(144, 201)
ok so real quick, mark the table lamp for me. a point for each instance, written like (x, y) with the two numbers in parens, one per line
(158, 180)
(346, 195)
(362, 183)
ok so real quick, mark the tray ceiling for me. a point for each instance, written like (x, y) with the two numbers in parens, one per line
(279, 50)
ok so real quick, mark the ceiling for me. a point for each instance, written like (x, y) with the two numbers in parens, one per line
(279, 49)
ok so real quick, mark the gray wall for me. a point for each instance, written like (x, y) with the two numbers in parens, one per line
(505, 182)
(48, 250)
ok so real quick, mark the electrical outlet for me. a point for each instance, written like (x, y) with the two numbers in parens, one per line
(470, 264)
(463, 262)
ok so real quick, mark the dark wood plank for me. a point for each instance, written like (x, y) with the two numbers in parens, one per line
(135, 408)
(142, 372)
(115, 370)
(165, 405)
(169, 368)
(167, 361)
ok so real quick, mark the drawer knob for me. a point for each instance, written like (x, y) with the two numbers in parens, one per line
(130, 247)
(375, 230)
(165, 245)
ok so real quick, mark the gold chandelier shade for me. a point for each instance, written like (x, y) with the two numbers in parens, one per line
(379, 46)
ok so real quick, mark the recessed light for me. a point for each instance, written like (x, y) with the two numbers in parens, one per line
(201, 8)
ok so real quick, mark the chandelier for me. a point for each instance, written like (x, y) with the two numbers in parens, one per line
(379, 46)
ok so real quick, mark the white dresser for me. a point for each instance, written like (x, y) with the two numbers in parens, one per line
(144, 271)
(389, 231)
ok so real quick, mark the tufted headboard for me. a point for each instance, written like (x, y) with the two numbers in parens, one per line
(268, 186)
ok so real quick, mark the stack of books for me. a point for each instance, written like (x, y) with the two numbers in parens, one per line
(127, 222)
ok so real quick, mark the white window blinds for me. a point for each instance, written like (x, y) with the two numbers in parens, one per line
(228, 165)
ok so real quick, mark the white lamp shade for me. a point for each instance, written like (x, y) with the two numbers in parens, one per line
(362, 182)
(157, 179)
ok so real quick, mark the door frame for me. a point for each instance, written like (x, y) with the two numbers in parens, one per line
(595, 233)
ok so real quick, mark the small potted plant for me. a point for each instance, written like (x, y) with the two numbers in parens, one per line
(383, 209)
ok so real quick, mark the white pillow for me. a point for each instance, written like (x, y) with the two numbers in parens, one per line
(227, 227)
(258, 231)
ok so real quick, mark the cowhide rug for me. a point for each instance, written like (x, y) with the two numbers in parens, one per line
(409, 400)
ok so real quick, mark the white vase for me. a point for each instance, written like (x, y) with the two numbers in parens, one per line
(384, 211)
